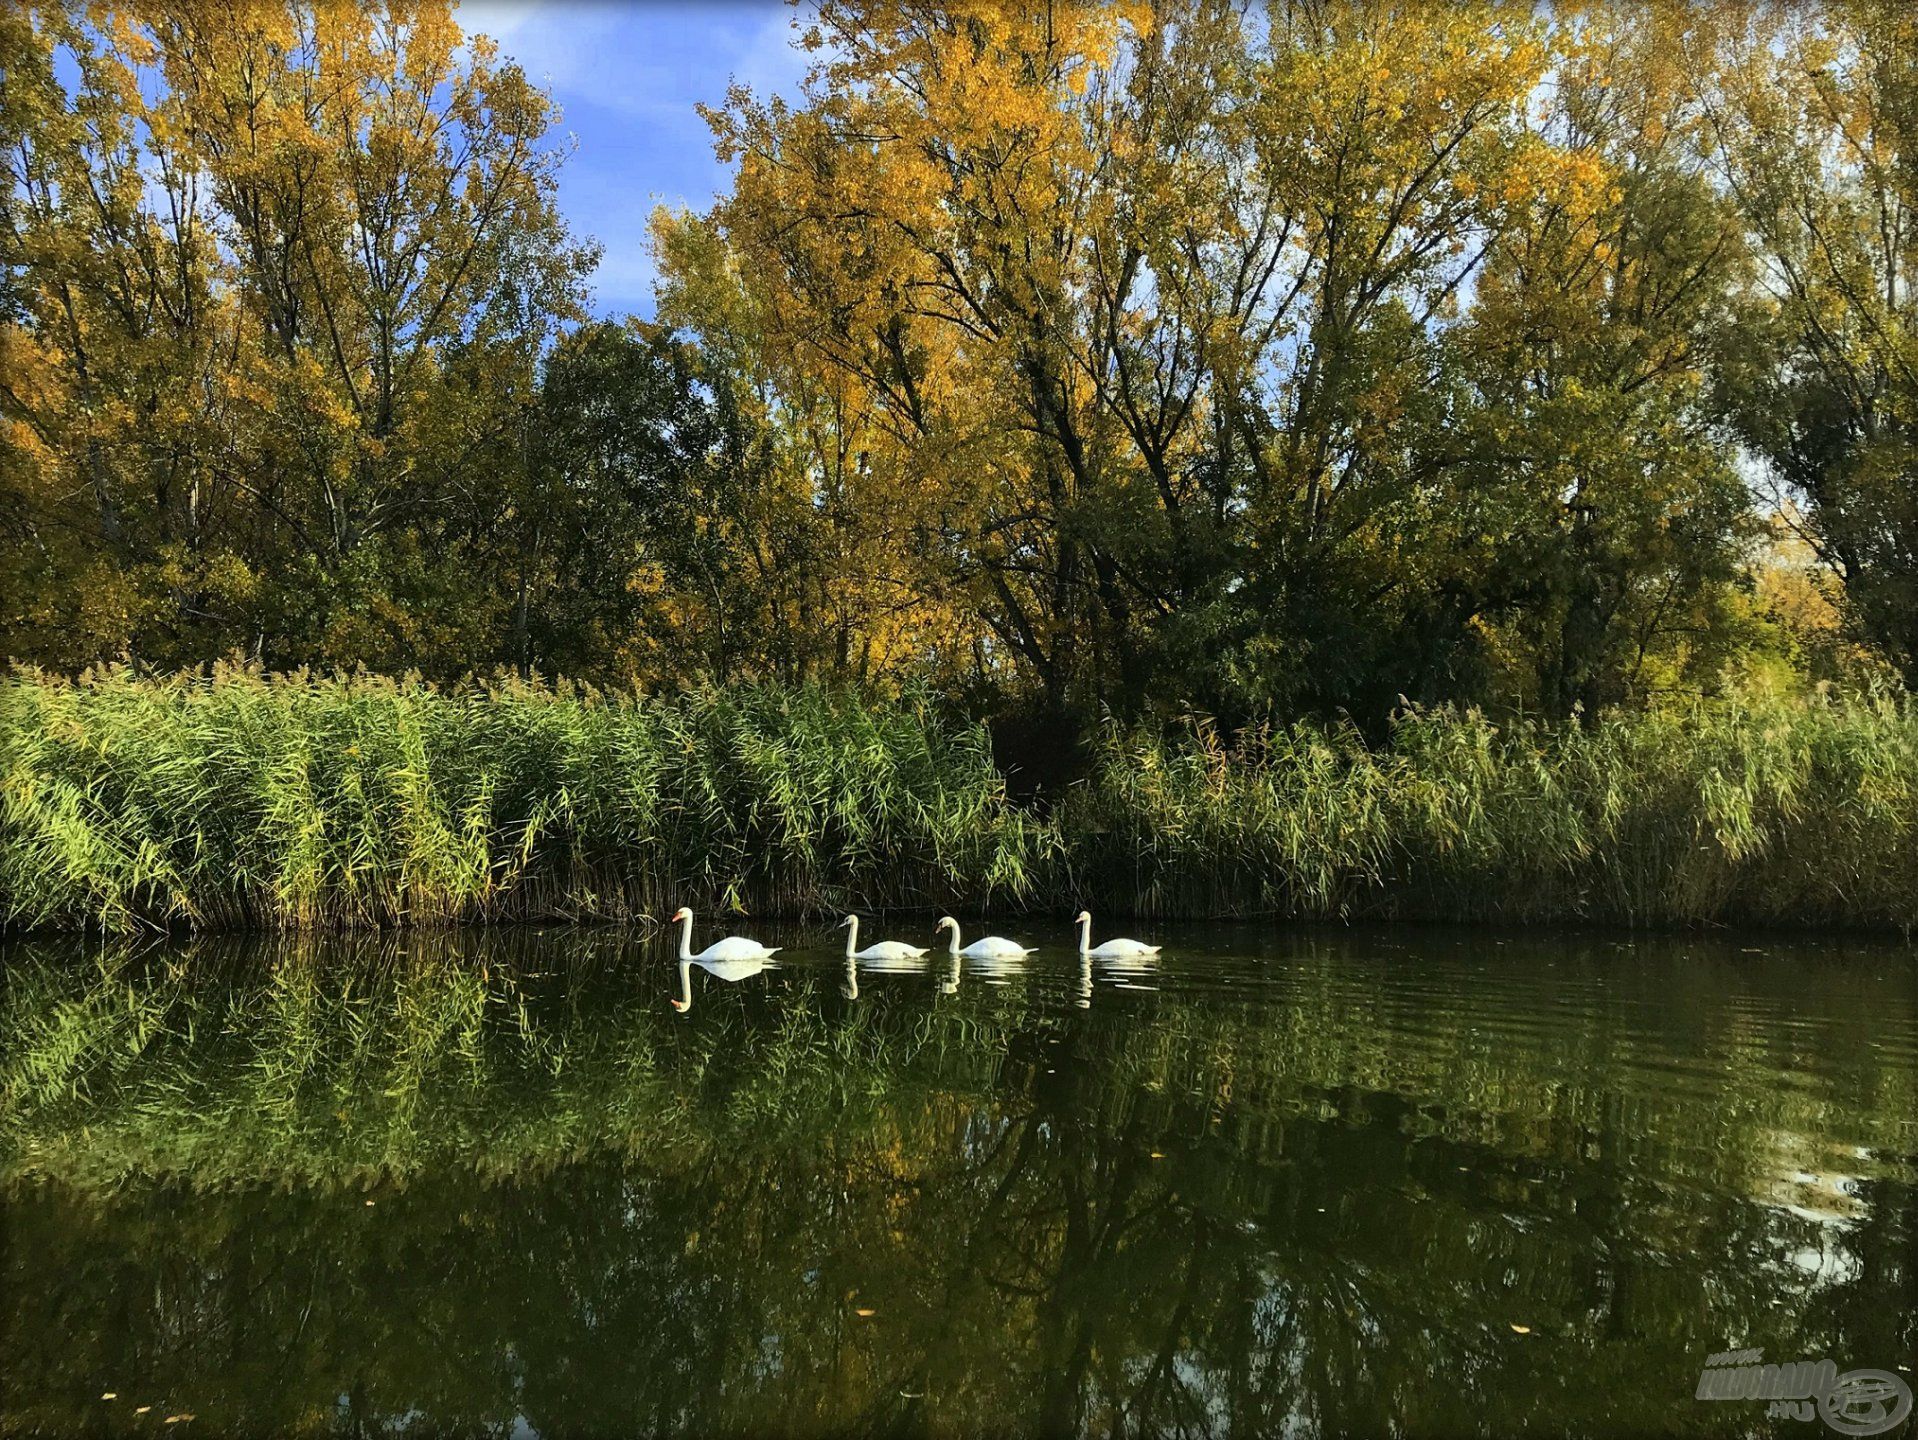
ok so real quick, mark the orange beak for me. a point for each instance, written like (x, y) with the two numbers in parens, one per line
(679, 1005)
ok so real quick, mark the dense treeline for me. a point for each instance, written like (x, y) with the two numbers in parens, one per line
(238, 799)
(1138, 358)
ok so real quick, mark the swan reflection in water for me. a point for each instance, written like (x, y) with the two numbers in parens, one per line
(731, 971)
(945, 978)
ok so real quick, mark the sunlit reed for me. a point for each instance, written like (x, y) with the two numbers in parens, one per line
(241, 800)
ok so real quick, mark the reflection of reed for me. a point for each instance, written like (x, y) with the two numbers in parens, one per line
(391, 1051)
(1247, 1216)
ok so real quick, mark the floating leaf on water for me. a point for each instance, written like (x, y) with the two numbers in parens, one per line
(111, 1395)
(862, 1312)
(141, 1409)
(1521, 1329)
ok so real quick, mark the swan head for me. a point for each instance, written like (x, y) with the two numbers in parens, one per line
(680, 1005)
(946, 922)
(682, 913)
(1082, 917)
(847, 921)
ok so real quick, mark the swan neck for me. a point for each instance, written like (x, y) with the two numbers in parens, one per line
(852, 936)
(686, 936)
(1085, 935)
(954, 948)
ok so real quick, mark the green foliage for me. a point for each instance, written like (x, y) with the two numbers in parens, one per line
(1745, 810)
(1815, 114)
(241, 799)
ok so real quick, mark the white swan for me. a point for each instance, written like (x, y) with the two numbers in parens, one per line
(733, 959)
(1111, 949)
(731, 971)
(894, 950)
(733, 947)
(993, 947)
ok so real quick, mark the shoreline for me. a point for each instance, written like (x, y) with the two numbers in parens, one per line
(237, 802)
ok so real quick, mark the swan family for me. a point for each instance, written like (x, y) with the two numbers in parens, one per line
(738, 958)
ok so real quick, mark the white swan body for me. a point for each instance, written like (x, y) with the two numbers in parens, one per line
(992, 947)
(720, 952)
(883, 950)
(1120, 949)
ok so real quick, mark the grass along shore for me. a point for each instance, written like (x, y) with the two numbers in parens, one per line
(241, 800)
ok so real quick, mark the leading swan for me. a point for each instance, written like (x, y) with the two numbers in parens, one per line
(733, 947)
(993, 947)
(1112, 949)
(733, 959)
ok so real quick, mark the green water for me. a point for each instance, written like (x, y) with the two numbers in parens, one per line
(1304, 1183)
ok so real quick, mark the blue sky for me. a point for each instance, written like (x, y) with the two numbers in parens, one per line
(626, 77)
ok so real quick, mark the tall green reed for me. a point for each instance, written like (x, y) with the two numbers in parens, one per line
(1750, 810)
(235, 799)
(239, 799)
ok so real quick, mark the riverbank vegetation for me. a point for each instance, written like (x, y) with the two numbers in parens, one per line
(241, 799)
(1496, 419)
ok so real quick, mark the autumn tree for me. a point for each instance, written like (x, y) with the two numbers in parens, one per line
(1597, 534)
(1815, 136)
(834, 527)
(278, 278)
(1175, 315)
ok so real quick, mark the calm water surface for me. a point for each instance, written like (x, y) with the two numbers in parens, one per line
(1283, 1183)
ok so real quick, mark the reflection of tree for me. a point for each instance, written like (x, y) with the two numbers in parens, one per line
(1153, 1217)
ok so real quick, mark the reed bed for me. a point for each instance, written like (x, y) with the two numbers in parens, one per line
(1751, 810)
(234, 799)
